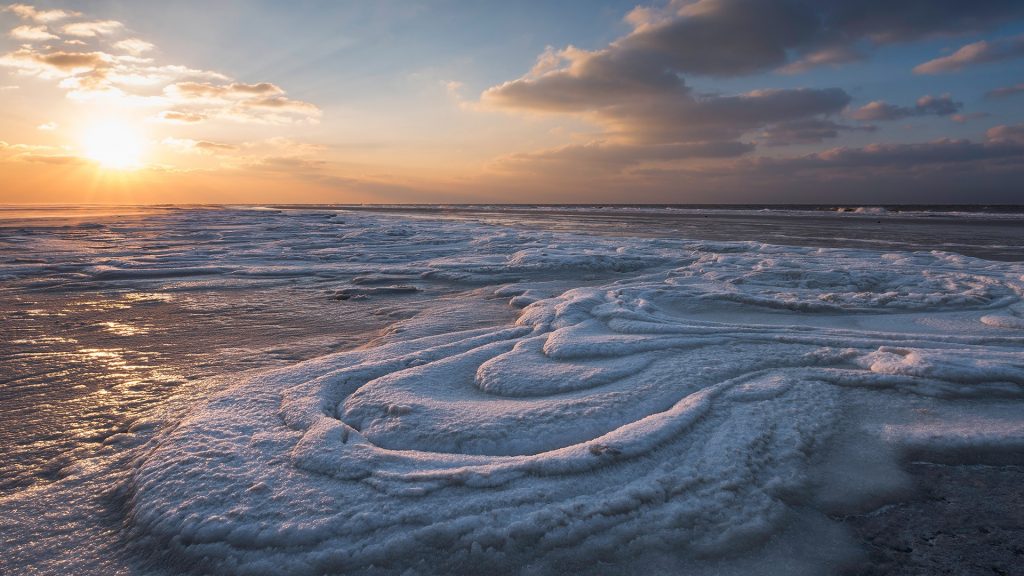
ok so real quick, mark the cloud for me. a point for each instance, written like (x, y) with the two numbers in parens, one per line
(38, 154)
(635, 88)
(56, 64)
(676, 126)
(937, 171)
(731, 37)
(720, 37)
(890, 21)
(904, 156)
(926, 172)
(977, 53)
(827, 56)
(651, 109)
(133, 46)
(737, 37)
(283, 146)
(610, 156)
(286, 164)
(93, 28)
(26, 12)
(962, 118)
(175, 117)
(188, 145)
(32, 33)
(198, 90)
(643, 103)
(925, 106)
(47, 127)
(60, 159)
(117, 71)
(1006, 91)
(806, 131)
(237, 101)
(1006, 134)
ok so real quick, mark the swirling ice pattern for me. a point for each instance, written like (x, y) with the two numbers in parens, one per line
(669, 411)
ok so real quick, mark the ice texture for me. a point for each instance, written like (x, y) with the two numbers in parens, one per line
(654, 399)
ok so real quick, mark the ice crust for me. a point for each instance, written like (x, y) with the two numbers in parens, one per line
(653, 398)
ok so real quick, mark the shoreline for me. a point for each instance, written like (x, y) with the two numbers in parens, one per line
(662, 303)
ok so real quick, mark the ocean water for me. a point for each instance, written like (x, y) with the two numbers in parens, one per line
(511, 389)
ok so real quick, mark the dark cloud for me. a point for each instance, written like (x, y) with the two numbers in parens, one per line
(889, 21)
(723, 37)
(634, 88)
(732, 37)
(605, 156)
(737, 114)
(661, 110)
(925, 106)
(938, 171)
(902, 156)
(806, 131)
(977, 53)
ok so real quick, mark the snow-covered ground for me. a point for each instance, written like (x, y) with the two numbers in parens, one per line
(655, 404)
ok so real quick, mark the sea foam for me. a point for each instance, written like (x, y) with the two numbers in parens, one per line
(656, 404)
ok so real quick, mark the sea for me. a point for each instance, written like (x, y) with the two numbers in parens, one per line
(528, 389)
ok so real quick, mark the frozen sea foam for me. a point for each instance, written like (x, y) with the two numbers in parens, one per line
(656, 404)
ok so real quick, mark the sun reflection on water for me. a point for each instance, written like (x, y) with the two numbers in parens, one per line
(124, 329)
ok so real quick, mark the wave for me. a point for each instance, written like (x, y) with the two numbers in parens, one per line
(655, 402)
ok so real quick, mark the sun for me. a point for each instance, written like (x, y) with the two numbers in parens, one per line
(114, 145)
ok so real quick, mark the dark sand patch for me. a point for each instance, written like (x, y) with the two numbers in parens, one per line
(967, 520)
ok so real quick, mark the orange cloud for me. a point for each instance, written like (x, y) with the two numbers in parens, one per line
(26, 12)
(131, 79)
(32, 34)
(175, 117)
(198, 146)
(92, 29)
(53, 64)
(133, 46)
(185, 90)
(241, 102)
(976, 53)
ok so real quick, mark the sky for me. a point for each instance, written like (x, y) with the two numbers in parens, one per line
(588, 101)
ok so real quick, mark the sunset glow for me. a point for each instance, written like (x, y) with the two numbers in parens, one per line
(114, 145)
(443, 287)
(672, 101)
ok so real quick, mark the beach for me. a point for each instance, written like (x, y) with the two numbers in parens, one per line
(442, 389)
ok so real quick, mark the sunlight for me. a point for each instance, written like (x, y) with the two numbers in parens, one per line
(114, 145)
